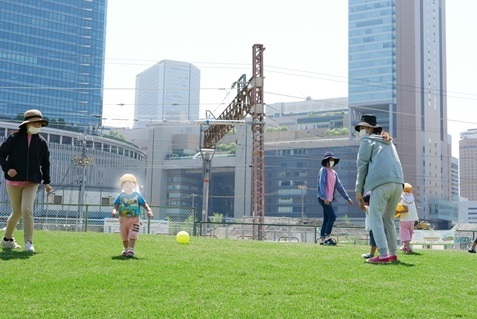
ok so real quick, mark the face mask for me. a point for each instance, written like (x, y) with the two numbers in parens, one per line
(33, 130)
(332, 163)
(362, 133)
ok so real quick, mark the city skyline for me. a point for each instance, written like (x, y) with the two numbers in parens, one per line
(300, 60)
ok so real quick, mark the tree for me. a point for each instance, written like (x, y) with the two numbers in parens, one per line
(115, 135)
(276, 129)
(337, 132)
(227, 148)
(217, 218)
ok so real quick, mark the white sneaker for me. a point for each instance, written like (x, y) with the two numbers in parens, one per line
(29, 247)
(9, 244)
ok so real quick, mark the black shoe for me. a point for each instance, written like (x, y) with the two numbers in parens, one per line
(472, 251)
(330, 242)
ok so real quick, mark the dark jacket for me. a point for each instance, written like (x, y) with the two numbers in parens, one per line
(31, 163)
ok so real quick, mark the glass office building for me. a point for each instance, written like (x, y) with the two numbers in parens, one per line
(397, 71)
(372, 67)
(372, 57)
(52, 59)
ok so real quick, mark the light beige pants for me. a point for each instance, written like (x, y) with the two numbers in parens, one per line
(22, 199)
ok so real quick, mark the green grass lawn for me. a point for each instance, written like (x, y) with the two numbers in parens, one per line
(83, 275)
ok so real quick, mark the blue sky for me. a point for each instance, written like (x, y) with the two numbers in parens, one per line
(306, 51)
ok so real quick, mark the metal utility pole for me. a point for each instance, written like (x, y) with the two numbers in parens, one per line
(248, 101)
(82, 161)
(303, 189)
(258, 157)
(207, 154)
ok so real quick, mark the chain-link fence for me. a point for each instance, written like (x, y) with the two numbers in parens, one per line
(98, 218)
(290, 232)
(170, 220)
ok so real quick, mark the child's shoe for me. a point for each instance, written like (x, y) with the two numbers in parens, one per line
(29, 247)
(125, 252)
(472, 251)
(9, 244)
(367, 256)
(130, 253)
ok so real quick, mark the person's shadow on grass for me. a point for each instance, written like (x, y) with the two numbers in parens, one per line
(7, 254)
(394, 263)
(414, 253)
(121, 257)
(401, 263)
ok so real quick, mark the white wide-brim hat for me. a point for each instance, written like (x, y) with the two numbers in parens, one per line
(33, 116)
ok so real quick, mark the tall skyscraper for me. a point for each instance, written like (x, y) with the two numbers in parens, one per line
(397, 71)
(455, 179)
(167, 91)
(52, 59)
(468, 164)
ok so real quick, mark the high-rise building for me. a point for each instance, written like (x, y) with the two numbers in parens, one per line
(167, 91)
(455, 179)
(468, 164)
(52, 59)
(397, 71)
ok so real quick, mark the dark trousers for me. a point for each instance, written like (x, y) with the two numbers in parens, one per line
(329, 218)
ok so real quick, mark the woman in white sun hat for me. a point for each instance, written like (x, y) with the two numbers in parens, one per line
(407, 218)
(25, 161)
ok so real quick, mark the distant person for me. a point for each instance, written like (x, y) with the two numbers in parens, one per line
(367, 226)
(407, 218)
(328, 183)
(25, 160)
(379, 170)
(128, 205)
(472, 247)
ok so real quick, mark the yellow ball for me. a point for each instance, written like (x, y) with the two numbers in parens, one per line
(182, 237)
